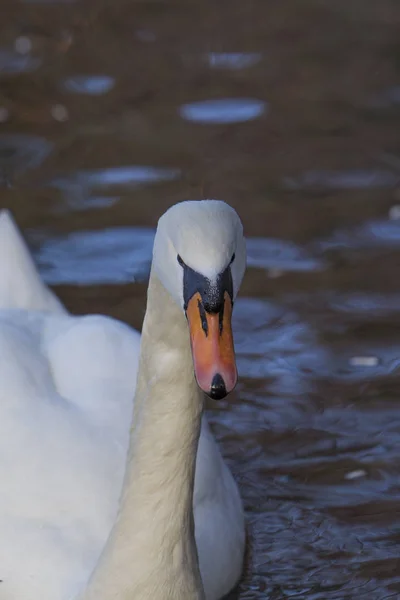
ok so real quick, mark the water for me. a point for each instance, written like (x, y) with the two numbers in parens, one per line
(233, 60)
(93, 85)
(81, 189)
(113, 112)
(11, 62)
(18, 153)
(224, 110)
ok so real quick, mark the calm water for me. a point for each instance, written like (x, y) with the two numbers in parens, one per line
(112, 111)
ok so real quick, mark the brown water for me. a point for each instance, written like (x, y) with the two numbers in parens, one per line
(97, 139)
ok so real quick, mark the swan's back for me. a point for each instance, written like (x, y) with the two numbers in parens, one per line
(20, 284)
(66, 393)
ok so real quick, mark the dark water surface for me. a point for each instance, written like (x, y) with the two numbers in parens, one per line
(111, 111)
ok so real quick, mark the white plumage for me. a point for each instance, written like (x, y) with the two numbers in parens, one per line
(66, 396)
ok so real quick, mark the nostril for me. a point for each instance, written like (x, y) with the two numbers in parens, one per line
(218, 389)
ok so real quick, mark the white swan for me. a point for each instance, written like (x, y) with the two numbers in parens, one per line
(65, 406)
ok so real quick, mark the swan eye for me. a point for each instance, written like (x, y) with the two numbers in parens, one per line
(233, 258)
(180, 261)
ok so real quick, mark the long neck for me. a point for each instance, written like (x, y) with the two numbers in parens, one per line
(151, 552)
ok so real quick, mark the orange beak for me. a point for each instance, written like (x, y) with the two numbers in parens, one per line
(212, 347)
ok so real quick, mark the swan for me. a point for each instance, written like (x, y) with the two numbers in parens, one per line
(66, 449)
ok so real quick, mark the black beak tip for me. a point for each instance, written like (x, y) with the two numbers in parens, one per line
(218, 389)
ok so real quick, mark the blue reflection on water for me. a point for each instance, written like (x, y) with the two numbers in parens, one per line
(370, 234)
(12, 62)
(92, 85)
(20, 152)
(117, 255)
(233, 60)
(79, 188)
(343, 180)
(227, 110)
(123, 254)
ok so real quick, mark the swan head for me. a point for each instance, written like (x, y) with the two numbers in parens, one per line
(200, 257)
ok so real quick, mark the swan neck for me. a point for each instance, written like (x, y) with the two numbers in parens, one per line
(151, 552)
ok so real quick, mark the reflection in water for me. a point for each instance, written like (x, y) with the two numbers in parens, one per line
(372, 233)
(372, 304)
(94, 85)
(233, 60)
(79, 189)
(386, 99)
(12, 62)
(343, 180)
(266, 253)
(364, 361)
(126, 176)
(19, 153)
(317, 449)
(229, 110)
(276, 348)
(118, 255)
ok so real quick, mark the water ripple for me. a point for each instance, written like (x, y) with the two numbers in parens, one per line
(233, 60)
(269, 253)
(79, 189)
(119, 255)
(92, 85)
(19, 153)
(227, 110)
(343, 180)
(384, 233)
(12, 62)
(89, 247)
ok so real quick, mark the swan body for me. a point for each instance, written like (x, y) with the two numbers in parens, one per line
(66, 402)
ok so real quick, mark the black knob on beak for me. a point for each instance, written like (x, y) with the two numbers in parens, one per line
(218, 389)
